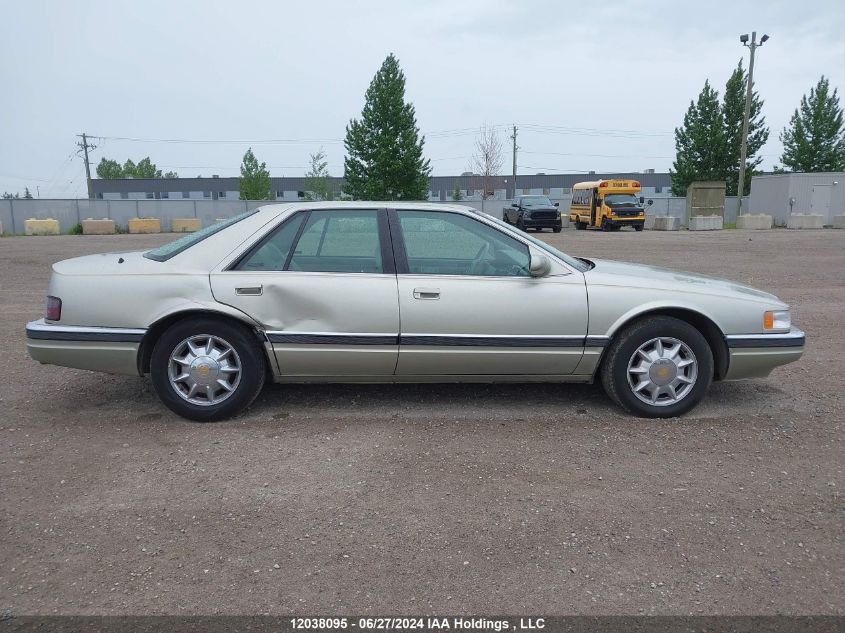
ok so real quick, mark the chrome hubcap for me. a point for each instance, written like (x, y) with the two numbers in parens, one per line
(662, 371)
(204, 369)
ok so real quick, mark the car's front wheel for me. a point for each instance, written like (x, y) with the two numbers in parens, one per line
(658, 367)
(207, 369)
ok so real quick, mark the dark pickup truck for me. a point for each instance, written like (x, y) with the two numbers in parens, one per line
(533, 212)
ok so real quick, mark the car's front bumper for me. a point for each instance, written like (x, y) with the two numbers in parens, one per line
(544, 223)
(110, 350)
(756, 355)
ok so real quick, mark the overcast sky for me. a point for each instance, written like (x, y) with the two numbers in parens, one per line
(608, 84)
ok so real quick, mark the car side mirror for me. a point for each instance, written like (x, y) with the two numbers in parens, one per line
(557, 204)
(651, 202)
(642, 200)
(539, 265)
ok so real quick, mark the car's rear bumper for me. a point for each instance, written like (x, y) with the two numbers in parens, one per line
(756, 355)
(110, 350)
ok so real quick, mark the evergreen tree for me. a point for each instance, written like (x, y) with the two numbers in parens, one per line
(457, 194)
(255, 179)
(318, 178)
(814, 140)
(27, 194)
(700, 144)
(733, 112)
(384, 148)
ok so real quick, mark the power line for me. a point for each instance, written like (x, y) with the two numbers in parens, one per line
(595, 155)
(586, 131)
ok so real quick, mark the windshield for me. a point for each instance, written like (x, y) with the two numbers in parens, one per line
(621, 200)
(577, 264)
(536, 201)
(165, 252)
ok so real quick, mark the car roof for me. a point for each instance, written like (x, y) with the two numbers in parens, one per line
(345, 205)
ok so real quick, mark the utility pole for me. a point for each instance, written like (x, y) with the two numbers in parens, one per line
(514, 160)
(740, 189)
(84, 145)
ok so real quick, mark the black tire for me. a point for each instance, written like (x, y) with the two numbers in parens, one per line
(580, 226)
(520, 225)
(614, 370)
(557, 229)
(638, 227)
(250, 359)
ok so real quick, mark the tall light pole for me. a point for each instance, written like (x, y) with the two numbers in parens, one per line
(740, 189)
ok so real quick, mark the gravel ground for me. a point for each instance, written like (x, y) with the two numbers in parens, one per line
(419, 499)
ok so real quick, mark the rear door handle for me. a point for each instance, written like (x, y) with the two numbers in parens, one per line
(251, 291)
(426, 293)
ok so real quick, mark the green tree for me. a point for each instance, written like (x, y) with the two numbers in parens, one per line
(733, 112)
(255, 179)
(457, 194)
(146, 169)
(384, 148)
(27, 194)
(10, 196)
(109, 169)
(129, 168)
(814, 140)
(318, 178)
(700, 143)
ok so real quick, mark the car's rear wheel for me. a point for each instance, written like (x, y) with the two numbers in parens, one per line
(659, 367)
(207, 369)
(557, 229)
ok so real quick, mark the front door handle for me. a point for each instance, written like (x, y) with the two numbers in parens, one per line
(426, 293)
(250, 291)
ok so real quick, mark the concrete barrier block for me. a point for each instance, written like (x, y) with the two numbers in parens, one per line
(838, 222)
(758, 221)
(90, 226)
(145, 225)
(649, 222)
(185, 225)
(41, 227)
(706, 223)
(667, 223)
(805, 221)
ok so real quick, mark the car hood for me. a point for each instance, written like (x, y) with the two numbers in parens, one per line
(608, 272)
(541, 208)
(133, 262)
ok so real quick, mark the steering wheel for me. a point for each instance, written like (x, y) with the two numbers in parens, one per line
(477, 267)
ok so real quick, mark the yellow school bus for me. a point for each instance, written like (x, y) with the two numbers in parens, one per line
(607, 205)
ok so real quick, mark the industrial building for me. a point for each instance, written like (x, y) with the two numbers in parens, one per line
(295, 188)
(781, 195)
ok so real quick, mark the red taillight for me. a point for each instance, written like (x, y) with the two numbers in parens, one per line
(603, 184)
(54, 309)
(635, 183)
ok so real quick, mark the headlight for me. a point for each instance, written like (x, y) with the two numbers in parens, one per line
(777, 320)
